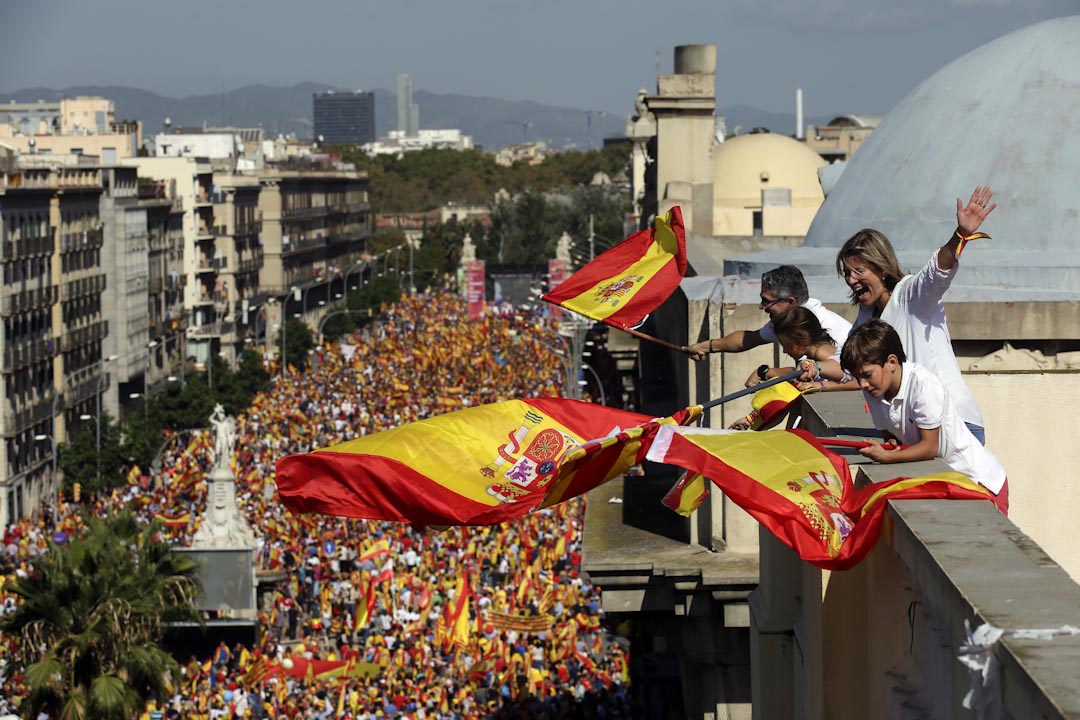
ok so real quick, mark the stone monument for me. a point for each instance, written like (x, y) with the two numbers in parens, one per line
(468, 250)
(562, 247)
(222, 526)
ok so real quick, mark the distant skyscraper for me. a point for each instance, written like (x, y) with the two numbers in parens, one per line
(345, 117)
(408, 113)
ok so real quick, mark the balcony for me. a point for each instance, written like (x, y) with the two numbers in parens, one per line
(245, 229)
(84, 287)
(28, 247)
(159, 241)
(215, 329)
(249, 265)
(19, 355)
(303, 213)
(308, 244)
(18, 303)
(84, 336)
(84, 384)
(18, 421)
(82, 240)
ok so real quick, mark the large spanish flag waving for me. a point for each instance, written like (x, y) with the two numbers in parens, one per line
(626, 283)
(798, 489)
(478, 466)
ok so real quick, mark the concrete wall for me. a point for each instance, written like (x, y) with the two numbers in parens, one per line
(1032, 426)
(884, 639)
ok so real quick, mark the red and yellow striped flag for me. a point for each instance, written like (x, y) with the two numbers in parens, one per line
(798, 490)
(478, 466)
(772, 403)
(626, 283)
(687, 495)
(593, 463)
(378, 549)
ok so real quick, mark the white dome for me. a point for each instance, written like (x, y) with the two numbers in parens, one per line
(1007, 114)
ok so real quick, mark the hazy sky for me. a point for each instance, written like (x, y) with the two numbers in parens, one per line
(858, 56)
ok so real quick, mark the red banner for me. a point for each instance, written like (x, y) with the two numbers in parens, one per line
(474, 282)
(557, 272)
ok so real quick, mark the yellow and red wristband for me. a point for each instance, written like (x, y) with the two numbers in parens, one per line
(964, 239)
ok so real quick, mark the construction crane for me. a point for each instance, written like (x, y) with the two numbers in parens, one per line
(588, 124)
(525, 125)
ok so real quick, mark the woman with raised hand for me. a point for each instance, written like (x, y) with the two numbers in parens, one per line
(912, 303)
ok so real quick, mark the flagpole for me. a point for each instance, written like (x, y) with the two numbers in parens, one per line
(753, 389)
(857, 444)
(650, 338)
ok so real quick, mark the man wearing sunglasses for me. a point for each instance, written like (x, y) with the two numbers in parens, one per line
(782, 289)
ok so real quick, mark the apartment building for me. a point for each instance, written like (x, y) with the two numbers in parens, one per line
(315, 226)
(166, 318)
(191, 180)
(53, 326)
(70, 126)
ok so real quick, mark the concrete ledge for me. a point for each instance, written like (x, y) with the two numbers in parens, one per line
(642, 571)
(966, 556)
(971, 563)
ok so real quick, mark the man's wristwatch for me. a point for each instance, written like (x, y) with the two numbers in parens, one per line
(763, 372)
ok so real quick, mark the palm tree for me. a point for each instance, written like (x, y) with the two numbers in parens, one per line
(92, 613)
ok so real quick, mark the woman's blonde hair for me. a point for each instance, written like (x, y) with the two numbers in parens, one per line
(873, 247)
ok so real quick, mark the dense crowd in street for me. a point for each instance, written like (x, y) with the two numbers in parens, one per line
(363, 605)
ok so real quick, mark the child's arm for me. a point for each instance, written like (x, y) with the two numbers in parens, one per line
(925, 449)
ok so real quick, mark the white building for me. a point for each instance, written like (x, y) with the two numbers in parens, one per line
(398, 142)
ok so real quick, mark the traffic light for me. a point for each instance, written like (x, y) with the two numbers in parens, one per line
(76, 488)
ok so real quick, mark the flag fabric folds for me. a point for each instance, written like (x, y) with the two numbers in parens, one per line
(623, 285)
(771, 404)
(478, 466)
(593, 463)
(798, 489)
(687, 495)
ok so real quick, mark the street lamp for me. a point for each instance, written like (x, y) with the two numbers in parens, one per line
(599, 384)
(136, 396)
(52, 451)
(97, 455)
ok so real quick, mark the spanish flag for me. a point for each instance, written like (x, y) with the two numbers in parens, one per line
(772, 403)
(378, 549)
(626, 283)
(799, 490)
(687, 494)
(479, 466)
(593, 463)
(174, 520)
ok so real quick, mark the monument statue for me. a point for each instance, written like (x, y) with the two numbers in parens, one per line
(222, 525)
(224, 436)
(468, 250)
(562, 247)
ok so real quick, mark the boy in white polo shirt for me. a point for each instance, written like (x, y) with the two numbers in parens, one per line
(912, 407)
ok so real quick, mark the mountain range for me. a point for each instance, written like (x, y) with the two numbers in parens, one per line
(492, 122)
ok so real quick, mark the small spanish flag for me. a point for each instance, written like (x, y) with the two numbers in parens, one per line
(626, 283)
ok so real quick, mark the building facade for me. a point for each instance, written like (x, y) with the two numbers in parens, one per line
(54, 329)
(408, 113)
(344, 118)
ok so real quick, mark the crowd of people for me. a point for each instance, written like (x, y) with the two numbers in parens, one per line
(362, 607)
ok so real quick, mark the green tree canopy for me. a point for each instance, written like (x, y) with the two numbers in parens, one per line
(91, 617)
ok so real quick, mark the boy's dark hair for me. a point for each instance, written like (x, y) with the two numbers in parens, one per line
(800, 324)
(786, 281)
(871, 344)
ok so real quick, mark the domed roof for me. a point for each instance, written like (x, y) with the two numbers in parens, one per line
(1006, 114)
(745, 164)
